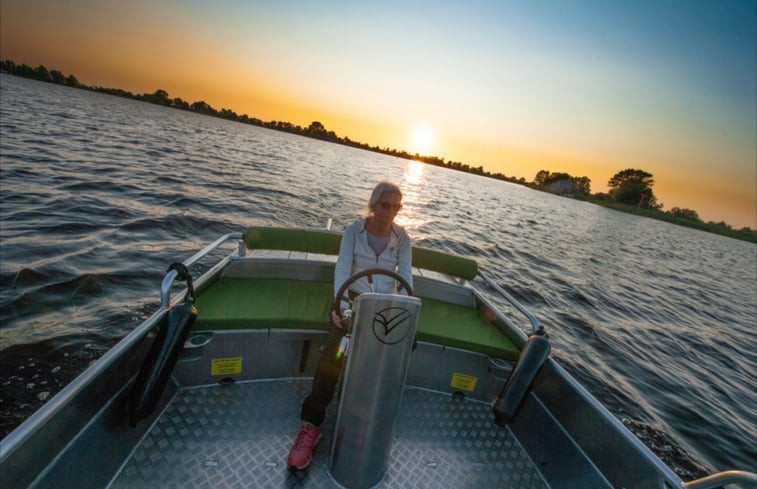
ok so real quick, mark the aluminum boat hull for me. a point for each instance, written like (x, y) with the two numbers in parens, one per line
(231, 409)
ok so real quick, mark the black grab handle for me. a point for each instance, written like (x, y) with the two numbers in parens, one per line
(161, 359)
(183, 275)
(530, 361)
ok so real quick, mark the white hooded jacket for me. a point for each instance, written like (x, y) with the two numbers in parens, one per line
(355, 255)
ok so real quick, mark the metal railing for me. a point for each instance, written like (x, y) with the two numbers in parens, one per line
(535, 326)
(165, 287)
(749, 479)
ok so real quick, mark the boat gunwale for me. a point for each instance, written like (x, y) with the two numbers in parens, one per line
(622, 430)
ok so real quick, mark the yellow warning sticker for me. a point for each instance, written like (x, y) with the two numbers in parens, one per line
(226, 366)
(464, 382)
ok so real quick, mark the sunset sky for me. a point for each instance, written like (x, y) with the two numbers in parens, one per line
(583, 87)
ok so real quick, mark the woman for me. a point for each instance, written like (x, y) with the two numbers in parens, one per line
(372, 242)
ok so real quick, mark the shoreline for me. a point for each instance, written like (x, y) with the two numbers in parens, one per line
(316, 130)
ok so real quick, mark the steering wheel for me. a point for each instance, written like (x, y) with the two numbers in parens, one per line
(367, 273)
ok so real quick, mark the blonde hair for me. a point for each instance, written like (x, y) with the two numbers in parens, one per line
(381, 188)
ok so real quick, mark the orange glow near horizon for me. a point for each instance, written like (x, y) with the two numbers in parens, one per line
(491, 104)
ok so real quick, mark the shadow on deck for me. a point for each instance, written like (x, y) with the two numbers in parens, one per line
(238, 436)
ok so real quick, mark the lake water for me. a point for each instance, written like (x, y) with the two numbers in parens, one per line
(99, 194)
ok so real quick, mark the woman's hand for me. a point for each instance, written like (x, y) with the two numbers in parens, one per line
(336, 319)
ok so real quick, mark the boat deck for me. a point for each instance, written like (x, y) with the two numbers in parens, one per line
(238, 436)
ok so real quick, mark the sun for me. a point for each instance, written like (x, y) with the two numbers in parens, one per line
(422, 139)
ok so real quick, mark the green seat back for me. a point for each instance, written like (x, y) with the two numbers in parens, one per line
(446, 263)
(327, 243)
(305, 240)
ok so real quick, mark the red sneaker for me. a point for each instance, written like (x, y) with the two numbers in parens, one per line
(302, 450)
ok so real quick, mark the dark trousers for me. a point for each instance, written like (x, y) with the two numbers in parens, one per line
(325, 379)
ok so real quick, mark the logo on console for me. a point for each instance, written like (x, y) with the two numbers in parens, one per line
(391, 325)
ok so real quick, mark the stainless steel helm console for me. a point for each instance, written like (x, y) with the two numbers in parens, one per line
(384, 329)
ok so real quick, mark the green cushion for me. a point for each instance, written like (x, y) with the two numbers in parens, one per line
(323, 242)
(446, 263)
(243, 303)
(464, 328)
(308, 241)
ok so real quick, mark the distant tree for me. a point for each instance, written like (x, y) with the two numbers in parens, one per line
(633, 187)
(578, 186)
(41, 73)
(582, 185)
(316, 129)
(228, 114)
(25, 71)
(685, 214)
(179, 103)
(159, 97)
(203, 108)
(71, 81)
(541, 178)
(57, 77)
(721, 224)
(117, 92)
(8, 65)
(544, 178)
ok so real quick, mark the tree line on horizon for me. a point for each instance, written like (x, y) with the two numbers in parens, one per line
(314, 130)
(630, 189)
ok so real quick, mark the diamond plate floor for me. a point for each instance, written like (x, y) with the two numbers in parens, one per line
(239, 437)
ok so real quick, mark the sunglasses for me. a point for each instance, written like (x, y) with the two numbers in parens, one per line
(389, 206)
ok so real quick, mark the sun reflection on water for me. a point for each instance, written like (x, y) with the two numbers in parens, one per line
(413, 200)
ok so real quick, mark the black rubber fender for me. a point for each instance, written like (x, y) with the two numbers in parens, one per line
(535, 352)
(160, 361)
